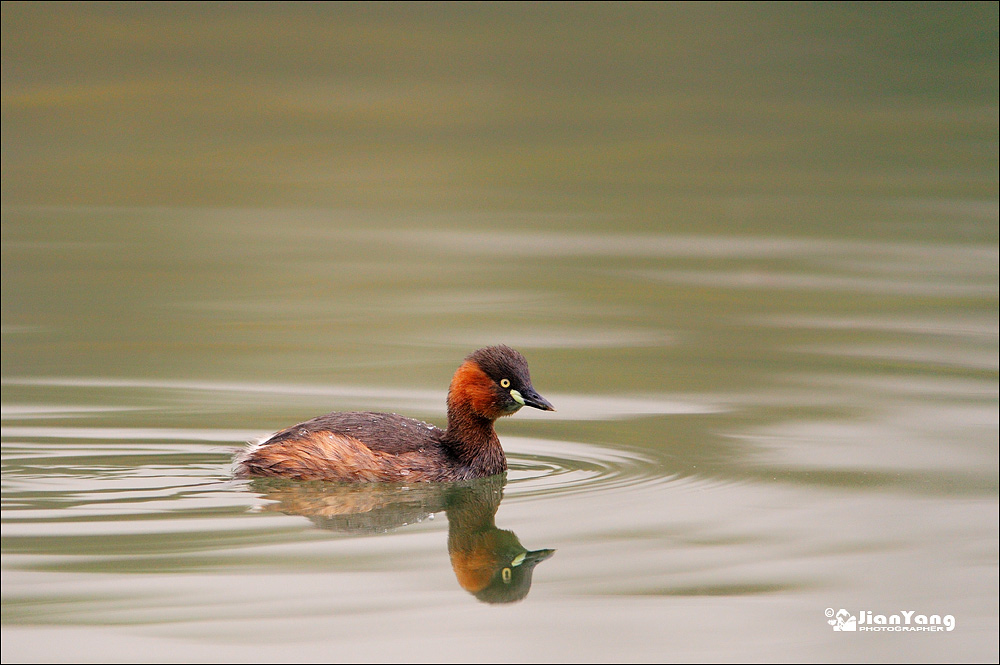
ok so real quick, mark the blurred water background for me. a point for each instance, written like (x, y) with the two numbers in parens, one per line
(750, 252)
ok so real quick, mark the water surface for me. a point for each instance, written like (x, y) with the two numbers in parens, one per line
(750, 253)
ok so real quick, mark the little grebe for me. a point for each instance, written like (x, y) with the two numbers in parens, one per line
(385, 447)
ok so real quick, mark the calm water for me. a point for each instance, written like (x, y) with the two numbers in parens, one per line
(750, 252)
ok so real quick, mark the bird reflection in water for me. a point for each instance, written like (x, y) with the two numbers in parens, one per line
(489, 563)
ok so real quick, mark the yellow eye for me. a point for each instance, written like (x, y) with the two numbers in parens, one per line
(504, 383)
(505, 575)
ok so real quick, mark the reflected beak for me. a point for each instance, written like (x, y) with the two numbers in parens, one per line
(533, 399)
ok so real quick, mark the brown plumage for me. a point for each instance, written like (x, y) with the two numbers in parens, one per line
(385, 447)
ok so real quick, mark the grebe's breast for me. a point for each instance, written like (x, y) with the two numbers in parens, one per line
(352, 447)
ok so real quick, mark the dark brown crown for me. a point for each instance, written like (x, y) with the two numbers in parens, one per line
(502, 362)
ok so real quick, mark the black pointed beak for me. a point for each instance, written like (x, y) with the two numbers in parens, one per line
(534, 557)
(533, 399)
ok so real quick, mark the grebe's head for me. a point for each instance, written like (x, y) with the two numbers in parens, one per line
(495, 382)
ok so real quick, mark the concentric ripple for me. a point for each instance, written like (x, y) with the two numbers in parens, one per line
(545, 466)
(91, 451)
(132, 470)
(96, 457)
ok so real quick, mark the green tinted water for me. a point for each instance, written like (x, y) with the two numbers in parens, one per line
(750, 253)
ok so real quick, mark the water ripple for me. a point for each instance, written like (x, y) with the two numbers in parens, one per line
(88, 467)
(545, 466)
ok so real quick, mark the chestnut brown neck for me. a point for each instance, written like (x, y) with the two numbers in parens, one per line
(470, 434)
(474, 442)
